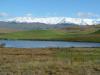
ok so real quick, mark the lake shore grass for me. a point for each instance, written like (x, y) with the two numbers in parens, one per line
(50, 61)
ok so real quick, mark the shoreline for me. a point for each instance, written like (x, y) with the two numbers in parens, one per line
(47, 40)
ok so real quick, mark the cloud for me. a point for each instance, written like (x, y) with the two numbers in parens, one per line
(3, 14)
(87, 15)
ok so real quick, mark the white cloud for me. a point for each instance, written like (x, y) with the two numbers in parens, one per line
(87, 15)
(3, 14)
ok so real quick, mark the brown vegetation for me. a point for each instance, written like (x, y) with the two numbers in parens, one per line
(50, 61)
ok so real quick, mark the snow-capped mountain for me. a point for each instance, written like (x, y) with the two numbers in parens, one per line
(55, 20)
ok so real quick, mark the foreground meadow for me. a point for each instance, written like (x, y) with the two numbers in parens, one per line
(50, 61)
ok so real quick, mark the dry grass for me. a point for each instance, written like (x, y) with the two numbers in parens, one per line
(50, 61)
(8, 30)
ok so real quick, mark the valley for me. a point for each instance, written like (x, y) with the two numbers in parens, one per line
(49, 37)
(75, 33)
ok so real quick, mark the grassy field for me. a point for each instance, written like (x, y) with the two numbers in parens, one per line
(87, 35)
(50, 61)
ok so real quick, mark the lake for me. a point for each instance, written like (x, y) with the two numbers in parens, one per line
(46, 44)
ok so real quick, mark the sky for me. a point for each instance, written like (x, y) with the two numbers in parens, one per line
(50, 8)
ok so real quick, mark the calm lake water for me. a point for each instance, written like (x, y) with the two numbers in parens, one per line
(45, 44)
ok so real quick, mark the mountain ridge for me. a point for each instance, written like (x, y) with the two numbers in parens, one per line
(55, 20)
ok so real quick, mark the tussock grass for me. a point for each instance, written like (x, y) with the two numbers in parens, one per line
(50, 61)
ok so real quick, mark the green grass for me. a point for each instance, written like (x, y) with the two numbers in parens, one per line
(97, 32)
(85, 36)
(35, 34)
(50, 61)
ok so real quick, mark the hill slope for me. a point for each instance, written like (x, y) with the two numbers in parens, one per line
(62, 35)
(33, 26)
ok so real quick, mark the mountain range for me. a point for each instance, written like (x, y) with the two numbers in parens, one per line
(29, 23)
(55, 20)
